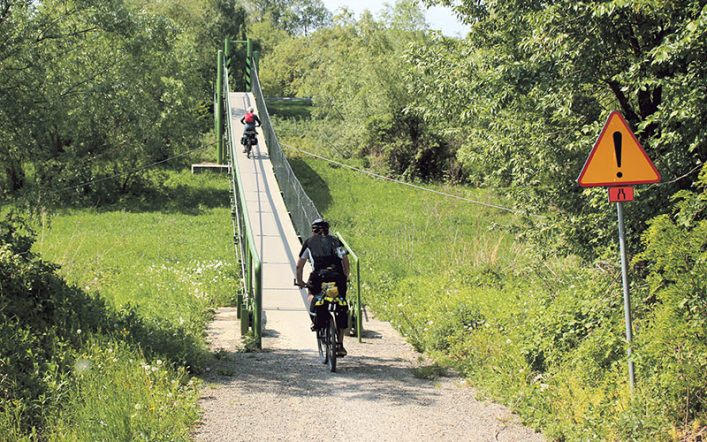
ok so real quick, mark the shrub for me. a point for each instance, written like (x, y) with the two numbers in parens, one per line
(41, 321)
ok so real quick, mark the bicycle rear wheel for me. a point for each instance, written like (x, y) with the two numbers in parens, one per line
(331, 343)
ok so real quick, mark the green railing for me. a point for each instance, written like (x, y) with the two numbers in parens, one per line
(249, 301)
(356, 304)
(301, 208)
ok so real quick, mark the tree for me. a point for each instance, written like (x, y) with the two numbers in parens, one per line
(92, 90)
(296, 17)
(540, 77)
(308, 15)
(355, 73)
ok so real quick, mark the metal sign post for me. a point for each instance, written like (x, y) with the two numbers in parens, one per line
(627, 299)
(618, 161)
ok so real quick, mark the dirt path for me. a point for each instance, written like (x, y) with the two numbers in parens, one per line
(286, 395)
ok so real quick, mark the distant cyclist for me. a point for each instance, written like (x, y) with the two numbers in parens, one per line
(249, 136)
(250, 120)
(329, 263)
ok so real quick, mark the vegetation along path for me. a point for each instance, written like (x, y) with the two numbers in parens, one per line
(381, 391)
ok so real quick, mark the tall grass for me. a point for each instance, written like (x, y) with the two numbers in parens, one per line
(159, 262)
(118, 395)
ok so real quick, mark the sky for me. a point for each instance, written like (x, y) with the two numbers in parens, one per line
(437, 17)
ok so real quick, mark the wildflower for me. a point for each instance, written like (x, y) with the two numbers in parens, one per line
(82, 365)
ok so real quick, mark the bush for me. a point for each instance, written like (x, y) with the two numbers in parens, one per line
(41, 321)
(672, 345)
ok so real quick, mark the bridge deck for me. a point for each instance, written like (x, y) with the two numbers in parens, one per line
(285, 311)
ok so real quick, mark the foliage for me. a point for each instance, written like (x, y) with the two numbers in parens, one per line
(530, 87)
(354, 73)
(106, 354)
(92, 90)
(39, 318)
(674, 346)
(119, 396)
(296, 17)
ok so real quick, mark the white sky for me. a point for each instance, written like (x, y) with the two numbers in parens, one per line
(437, 17)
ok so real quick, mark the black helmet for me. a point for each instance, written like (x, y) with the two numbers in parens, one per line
(320, 223)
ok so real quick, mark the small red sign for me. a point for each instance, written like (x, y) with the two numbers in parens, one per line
(620, 194)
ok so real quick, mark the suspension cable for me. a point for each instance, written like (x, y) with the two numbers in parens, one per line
(415, 186)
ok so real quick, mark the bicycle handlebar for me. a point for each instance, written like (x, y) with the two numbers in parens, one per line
(306, 284)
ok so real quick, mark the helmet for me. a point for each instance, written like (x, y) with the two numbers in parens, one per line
(250, 109)
(320, 223)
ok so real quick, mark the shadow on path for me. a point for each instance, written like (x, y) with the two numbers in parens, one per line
(300, 374)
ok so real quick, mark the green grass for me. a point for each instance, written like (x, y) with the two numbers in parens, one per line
(297, 108)
(162, 262)
(118, 395)
(542, 335)
(406, 231)
(172, 259)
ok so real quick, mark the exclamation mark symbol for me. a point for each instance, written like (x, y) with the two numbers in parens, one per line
(617, 150)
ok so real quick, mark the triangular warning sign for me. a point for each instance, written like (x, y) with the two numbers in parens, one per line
(617, 158)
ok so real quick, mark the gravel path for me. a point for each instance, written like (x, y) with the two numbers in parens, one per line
(288, 395)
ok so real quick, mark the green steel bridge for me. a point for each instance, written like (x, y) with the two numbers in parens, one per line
(271, 215)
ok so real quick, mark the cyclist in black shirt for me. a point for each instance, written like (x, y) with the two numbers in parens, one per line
(329, 264)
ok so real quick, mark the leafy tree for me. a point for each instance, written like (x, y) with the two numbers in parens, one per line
(355, 71)
(538, 78)
(308, 15)
(17, 34)
(296, 17)
(96, 90)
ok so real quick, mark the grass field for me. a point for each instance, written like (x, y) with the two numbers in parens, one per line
(298, 108)
(163, 262)
(172, 258)
(406, 231)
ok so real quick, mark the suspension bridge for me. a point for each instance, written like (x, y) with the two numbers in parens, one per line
(283, 393)
(271, 217)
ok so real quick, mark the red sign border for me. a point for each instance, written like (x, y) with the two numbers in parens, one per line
(640, 147)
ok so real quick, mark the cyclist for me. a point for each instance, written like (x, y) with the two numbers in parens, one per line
(329, 264)
(250, 120)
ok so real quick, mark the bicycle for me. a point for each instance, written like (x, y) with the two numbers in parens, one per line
(249, 139)
(327, 331)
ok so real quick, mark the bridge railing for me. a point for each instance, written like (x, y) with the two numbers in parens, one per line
(301, 208)
(250, 301)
